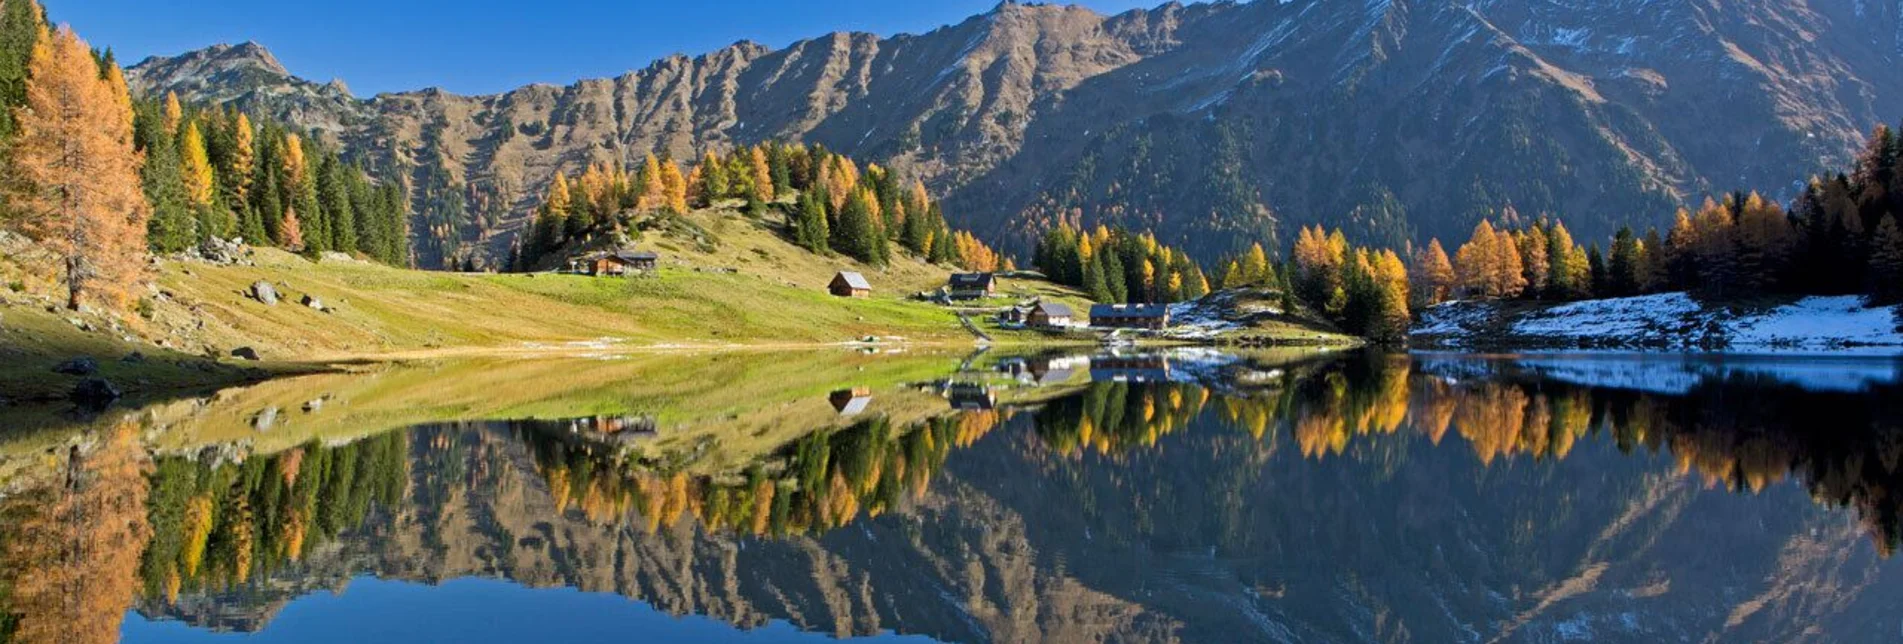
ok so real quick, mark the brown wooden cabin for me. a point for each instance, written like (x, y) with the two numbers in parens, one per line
(850, 284)
(1050, 315)
(971, 286)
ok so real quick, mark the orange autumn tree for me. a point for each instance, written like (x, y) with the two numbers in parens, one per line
(79, 193)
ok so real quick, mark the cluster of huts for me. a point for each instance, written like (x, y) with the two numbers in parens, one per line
(613, 263)
(1037, 315)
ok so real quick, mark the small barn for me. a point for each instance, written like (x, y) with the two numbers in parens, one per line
(972, 286)
(850, 284)
(1050, 315)
(1154, 317)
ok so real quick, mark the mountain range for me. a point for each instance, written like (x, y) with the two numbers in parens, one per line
(1212, 124)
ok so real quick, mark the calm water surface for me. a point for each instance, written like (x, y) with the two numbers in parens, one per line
(1194, 496)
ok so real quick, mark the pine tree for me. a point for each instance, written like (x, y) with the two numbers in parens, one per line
(1652, 270)
(713, 177)
(1623, 269)
(333, 197)
(858, 233)
(22, 27)
(1886, 262)
(313, 224)
(1097, 284)
(810, 230)
(1596, 264)
(1535, 262)
(79, 194)
(1571, 275)
(171, 228)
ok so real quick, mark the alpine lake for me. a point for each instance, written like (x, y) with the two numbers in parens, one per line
(1183, 495)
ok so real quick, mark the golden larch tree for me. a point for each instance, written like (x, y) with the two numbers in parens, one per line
(243, 155)
(173, 112)
(78, 172)
(653, 192)
(195, 166)
(762, 174)
(1432, 274)
(675, 185)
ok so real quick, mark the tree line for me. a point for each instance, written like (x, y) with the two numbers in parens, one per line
(827, 201)
(1117, 265)
(98, 179)
(1840, 237)
(213, 173)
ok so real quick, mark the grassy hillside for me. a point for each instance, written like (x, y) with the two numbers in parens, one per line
(725, 281)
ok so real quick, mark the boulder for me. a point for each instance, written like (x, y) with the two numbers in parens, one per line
(262, 291)
(95, 393)
(133, 358)
(312, 302)
(245, 353)
(81, 366)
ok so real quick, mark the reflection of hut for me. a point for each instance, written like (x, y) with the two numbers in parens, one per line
(619, 430)
(850, 402)
(1151, 368)
(1045, 371)
(1155, 317)
(850, 284)
(972, 396)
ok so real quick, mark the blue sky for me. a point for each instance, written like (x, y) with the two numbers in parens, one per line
(482, 46)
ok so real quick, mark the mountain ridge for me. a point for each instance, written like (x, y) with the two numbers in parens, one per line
(1211, 123)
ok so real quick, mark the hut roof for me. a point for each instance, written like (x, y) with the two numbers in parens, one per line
(1129, 310)
(854, 280)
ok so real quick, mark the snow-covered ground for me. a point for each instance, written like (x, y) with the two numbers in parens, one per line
(1196, 321)
(1834, 325)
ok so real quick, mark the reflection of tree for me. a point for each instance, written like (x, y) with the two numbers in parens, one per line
(825, 480)
(217, 526)
(1740, 432)
(71, 550)
(1743, 433)
(1111, 417)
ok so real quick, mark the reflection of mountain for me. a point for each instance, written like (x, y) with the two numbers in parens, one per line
(1349, 500)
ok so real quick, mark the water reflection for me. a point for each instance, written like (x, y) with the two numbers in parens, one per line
(1190, 496)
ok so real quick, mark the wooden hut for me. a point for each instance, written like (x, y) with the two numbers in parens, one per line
(850, 284)
(971, 286)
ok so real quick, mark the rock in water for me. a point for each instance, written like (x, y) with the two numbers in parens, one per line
(95, 393)
(246, 353)
(262, 291)
(81, 366)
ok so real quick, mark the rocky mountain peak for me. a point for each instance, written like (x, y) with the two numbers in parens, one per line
(1209, 123)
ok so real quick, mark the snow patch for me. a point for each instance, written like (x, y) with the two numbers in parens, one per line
(1818, 323)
